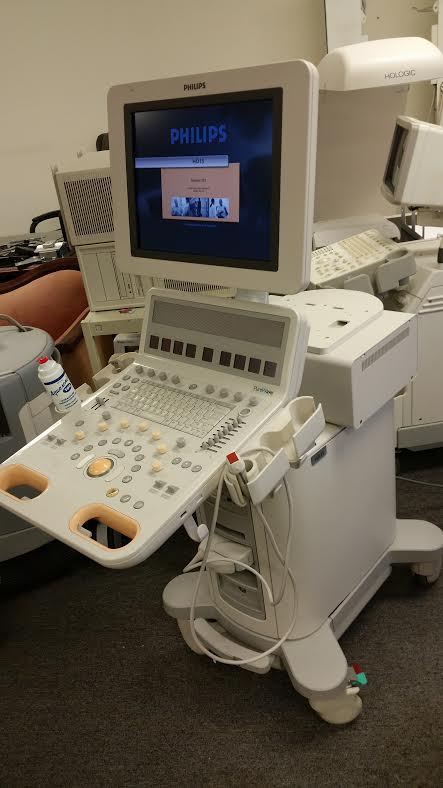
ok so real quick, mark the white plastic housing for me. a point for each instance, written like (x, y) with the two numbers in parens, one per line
(299, 83)
(384, 62)
(414, 170)
(83, 186)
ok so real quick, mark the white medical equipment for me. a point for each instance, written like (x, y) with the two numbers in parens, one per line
(296, 518)
(337, 264)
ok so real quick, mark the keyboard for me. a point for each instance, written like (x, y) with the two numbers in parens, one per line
(360, 254)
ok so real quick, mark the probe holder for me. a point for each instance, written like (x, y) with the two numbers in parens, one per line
(295, 428)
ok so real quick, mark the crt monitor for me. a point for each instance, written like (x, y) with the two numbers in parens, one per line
(213, 176)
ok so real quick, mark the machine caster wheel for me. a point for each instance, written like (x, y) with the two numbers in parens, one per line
(339, 710)
(185, 629)
(427, 573)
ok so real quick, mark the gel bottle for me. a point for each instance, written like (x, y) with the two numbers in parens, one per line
(57, 384)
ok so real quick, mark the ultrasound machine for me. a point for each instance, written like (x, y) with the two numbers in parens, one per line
(263, 424)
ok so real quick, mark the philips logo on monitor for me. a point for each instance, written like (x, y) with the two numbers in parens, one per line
(194, 85)
(190, 135)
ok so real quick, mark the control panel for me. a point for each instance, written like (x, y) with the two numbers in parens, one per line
(360, 254)
(146, 450)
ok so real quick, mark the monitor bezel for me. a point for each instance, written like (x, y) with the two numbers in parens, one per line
(298, 81)
(183, 102)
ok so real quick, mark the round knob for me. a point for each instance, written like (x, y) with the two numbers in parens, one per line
(224, 393)
(102, 426)
(238, 396)
(175, 379)
(156, 466)
(209, 389)
(163, 376)
(100, 467)
(151, 372)
(181, 443)
(143, 426)
(139, 369)
(253, 402)
(79, 435)
(162, 449)
(156, 435)
(124, 424)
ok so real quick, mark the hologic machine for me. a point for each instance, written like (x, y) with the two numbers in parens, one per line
(219, 423)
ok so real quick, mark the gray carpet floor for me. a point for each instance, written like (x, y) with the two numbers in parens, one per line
(98, 689)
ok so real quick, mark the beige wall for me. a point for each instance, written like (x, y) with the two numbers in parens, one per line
(53, 94)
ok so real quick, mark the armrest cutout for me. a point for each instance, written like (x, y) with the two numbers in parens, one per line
(16, 477)
(112, 519)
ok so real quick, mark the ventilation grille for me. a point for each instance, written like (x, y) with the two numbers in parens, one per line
(90, 205)
(370, 360)
(195, 287)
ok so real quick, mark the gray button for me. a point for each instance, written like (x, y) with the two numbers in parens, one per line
(151, 372)
(176, 460)
(186, 464)
(163, 376)
(126, 479)
(171, 490)
(196, 468)
(139, 505)
(126, 388)
(106, 415)
(129, 443)
(136, 448)
(139, 457)
(135, 468)
(181, 443)
(60, 441)
(135, 380)
(117, 453)
(100, 400)
(102, 442)
(126, 377)
(175, 379)
(117, 440)
(79, 423)
(158, 485)
(51, 438)
(139, 370)
(244, 412)
(117, 385)
(88, 447)
(193, 386)
(125, 498)
(75, 456)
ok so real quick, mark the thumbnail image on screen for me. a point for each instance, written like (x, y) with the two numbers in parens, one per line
(204, 178)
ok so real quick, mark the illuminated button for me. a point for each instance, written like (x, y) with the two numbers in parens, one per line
(129, 443)
(224, 393)
(143, 426)
(100, 467)
(186, 464)
(79, 423)
(125, 498)
(175, 461)
(75, 456)
(102, 426)
(181, 443)
(156, 466)
(135, 468)
(238, 396)
(156, 435)
(162, 449)
(124, 424)
(163, 376)
(253, 402)
(196, 468)
(112, 492)
(151, 372)
(102, 442)
(79, 435)
(209, 389)
(127, 479)
(139, 505)
(175, 379)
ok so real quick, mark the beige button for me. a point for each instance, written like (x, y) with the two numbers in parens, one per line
(156, 466)
(156, 435)
(112, 492)
(143, 426)
(100, 467)
(102, 426)
(162, 449)
(124, 424)
(79, 435)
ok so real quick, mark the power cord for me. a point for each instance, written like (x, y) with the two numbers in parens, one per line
(417, 481)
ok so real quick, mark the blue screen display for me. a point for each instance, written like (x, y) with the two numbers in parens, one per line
(204, 180)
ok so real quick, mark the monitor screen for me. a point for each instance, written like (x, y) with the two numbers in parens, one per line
(204, 178)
